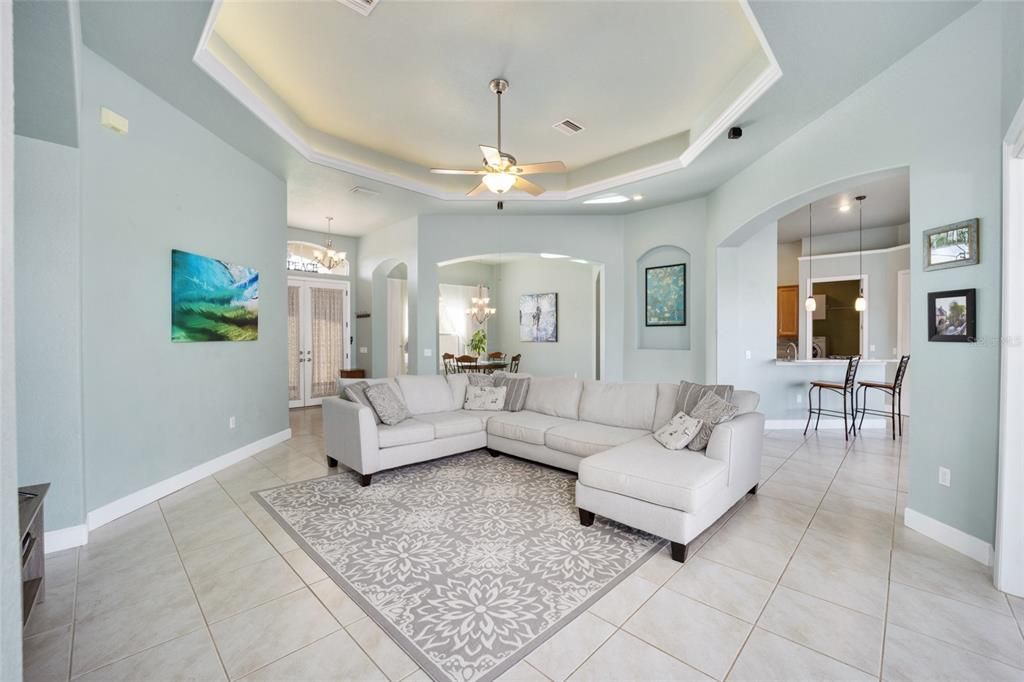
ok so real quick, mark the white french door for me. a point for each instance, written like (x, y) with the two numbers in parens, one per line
(319, 338)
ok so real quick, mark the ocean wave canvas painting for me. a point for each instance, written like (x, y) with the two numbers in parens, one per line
(212, 300)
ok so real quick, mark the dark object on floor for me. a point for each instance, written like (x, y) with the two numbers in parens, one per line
(352, 373)
(33, 569)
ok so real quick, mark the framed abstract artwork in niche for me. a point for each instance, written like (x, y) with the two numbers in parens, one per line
(665, 295)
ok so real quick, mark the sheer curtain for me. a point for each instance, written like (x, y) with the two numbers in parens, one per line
(294, 387)
(326, 308)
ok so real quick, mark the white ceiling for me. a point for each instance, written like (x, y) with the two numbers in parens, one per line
(819, 46)
(411, 79)
(887, 204)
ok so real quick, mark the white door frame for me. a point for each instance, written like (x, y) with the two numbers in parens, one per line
(809, 316)
(305, 342)
(1008, 571)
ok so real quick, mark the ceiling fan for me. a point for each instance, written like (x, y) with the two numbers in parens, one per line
(501, 171)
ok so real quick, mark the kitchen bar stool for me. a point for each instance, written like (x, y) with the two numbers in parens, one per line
(895, 391)
(846, 389)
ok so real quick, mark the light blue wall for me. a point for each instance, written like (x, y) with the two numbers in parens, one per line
(682, 226)
(49, 312)
(574, 352)
(153, 408)
(935, 112)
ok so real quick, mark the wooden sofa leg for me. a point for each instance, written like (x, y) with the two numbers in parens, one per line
(753, 491)
(586, 517)
(364, 479)
(331, 462)
(679, 552)
(493, 453)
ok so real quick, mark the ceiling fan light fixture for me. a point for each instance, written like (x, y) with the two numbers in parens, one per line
(499, 183)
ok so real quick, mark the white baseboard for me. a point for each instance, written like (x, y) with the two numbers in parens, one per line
(76, 536)
(951, 537)
(829, 423)
(65, 538)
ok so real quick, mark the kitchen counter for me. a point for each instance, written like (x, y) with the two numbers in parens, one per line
(827, 362)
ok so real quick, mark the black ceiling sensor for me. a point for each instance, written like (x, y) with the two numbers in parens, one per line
(735, 133)
(501, 205)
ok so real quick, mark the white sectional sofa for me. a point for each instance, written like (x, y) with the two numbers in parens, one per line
(601, 430)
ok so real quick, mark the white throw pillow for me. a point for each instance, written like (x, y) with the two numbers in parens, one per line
(679, 431)
(490, 398)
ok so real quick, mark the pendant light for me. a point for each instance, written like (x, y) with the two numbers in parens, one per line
(810, 305)
(861, 304)
(327, 256)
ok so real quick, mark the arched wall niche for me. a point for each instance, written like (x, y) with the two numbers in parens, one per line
(661, 338)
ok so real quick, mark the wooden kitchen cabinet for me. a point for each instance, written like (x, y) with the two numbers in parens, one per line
(788, 312)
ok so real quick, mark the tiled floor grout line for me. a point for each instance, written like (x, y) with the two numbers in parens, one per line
(74, 612)
(892, 553)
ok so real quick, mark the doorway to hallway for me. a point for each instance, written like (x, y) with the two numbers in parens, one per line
(319, 338)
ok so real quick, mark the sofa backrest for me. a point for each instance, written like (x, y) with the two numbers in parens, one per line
(426, 393)
(458, 383)
(747, 401)
(555, 396)
(630, 406)
(666, 407)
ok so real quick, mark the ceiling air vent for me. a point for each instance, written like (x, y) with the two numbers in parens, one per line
(364, 7)
(568, 127)
(364, 191)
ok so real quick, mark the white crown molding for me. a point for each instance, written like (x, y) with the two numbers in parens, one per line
(206, 60)
(951, 537)
(76, 536)
(847, 254)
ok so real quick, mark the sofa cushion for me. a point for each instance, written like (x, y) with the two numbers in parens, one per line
(404, 433)
(666, 406)
(643, 469)
(690, 394)
(630, 406)
(485, 398)
(457, 423)
(586, 438)
(457, 383)
(518, 388)
(356, 393)
(712, 411)
(679, 431)
(426, 393)
(745, 401)
(387, 403)
(555, 396)
(526, 426)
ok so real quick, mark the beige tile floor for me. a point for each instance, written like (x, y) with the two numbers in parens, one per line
(814, 578)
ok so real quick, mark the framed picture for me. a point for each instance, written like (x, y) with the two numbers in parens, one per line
(951, 316)
(951, 246)
(665, 296)
(212, 300)
(538, 318)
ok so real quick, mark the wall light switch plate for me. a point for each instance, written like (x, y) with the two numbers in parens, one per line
(231, 422)
(427, 352)
(872, 348)
(749, 355)
(363, 349)
(944, 476)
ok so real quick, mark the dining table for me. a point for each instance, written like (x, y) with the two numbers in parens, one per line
(485, 366)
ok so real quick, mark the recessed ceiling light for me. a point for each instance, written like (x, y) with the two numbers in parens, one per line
(580, 260)
(552, 255)
(638, 197)
(607, 199)
(844, 208)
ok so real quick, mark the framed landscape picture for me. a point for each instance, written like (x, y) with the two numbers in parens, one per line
(951, 246)
(665, 296)
(538, 318)
(212, 300)
(951, 316)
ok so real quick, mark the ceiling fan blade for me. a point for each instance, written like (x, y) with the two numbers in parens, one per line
(456, 171)
(491, 155)
(479, 189)
(527, 186)
(546, 167)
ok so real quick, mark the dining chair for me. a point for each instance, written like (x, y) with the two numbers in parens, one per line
(449, 363)
(513, 366)
(467, 363)
(846, 389)
(496, 355)
(895, 392)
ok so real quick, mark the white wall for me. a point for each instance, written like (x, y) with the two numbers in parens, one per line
(683, 226)
(573, 353)
(938, 112)
(788, 264)
(379, 252)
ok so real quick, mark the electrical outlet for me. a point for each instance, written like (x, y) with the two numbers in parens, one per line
(231, 422)
(427, 352)
(363, 349)
(872, 348)
(749, 355)
(944, 476)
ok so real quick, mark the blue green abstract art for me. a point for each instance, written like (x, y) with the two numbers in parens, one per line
(666, 296)
(212, 300)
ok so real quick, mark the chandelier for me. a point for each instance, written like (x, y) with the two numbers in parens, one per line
(328, 257)
(480, 312)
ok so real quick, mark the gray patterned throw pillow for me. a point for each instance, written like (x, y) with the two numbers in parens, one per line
(518, 387)
(356, 393)
(712, 411)
(690, 394)
(480, 379)
(387, 403)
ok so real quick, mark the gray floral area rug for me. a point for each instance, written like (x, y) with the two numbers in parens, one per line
(468, 562)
